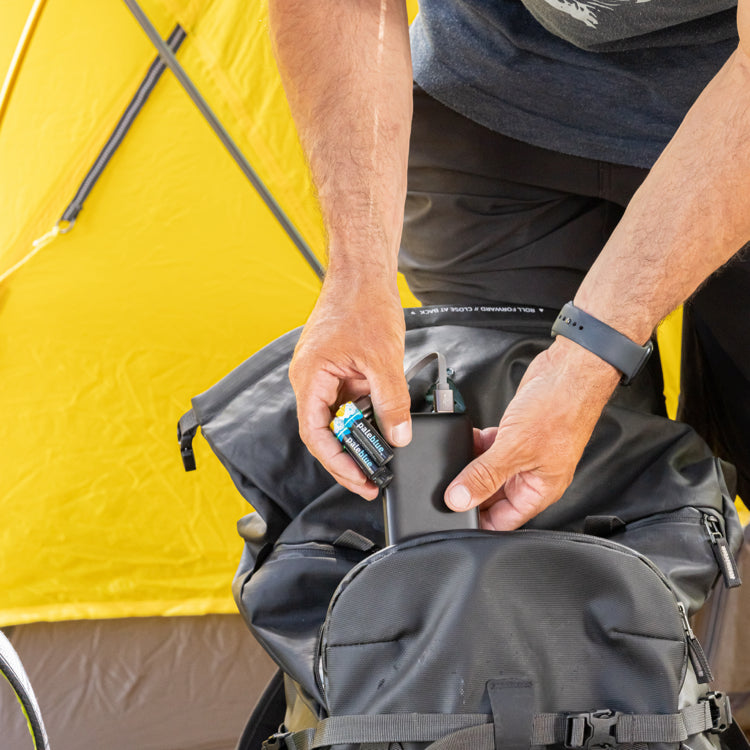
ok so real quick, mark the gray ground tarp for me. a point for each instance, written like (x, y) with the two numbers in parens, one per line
(156, 683)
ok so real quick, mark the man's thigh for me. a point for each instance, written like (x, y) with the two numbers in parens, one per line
(491, 219)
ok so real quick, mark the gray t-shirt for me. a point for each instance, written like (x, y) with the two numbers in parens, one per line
(604, 79)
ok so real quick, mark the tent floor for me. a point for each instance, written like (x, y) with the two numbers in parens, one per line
(155, 683)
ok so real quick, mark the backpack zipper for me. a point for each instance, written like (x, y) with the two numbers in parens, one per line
(715, 614)
(723, 555)
(714, 533)
(695, 650)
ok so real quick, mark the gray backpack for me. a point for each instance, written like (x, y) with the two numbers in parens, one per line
(572, 632)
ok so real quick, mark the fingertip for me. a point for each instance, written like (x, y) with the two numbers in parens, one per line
(369, 492)
(458, 497)
(392, 405)
(484, 439)
(400, 435)
(503, 516)
(485, 521)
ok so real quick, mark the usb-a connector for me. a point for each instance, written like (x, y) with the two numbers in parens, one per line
(443, 395)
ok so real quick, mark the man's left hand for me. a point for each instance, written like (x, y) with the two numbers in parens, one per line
(527, 463)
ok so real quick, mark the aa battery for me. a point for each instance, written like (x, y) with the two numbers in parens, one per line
(364, 431)
(380, 476)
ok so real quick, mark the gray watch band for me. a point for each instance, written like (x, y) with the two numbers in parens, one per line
(604, 341)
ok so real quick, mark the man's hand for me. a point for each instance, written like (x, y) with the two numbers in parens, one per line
(346, 70)
(353, 344)
(527, 463)
(688, 218)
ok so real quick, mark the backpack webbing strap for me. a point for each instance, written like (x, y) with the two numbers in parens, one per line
(483, 737)
(461, 731)
(670, 727)
(512, 703)
(380, 728)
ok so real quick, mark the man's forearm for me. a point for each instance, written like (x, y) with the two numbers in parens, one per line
(687, 219)
(346, 70)
(690, 216)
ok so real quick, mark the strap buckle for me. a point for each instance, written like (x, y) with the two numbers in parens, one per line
(276, 741)
(721, 711)
(187, 427)
(595, 729)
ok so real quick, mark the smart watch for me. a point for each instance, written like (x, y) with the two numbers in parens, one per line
(600, 339)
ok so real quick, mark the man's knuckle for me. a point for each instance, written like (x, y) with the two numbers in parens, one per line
(485, 477)
(306, 434)
(296, 374)
(397, 402)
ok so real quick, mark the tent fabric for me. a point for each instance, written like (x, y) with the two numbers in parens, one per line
(158, 683)
(173, 274)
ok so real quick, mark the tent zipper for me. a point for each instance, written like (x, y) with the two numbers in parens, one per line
(68, 219)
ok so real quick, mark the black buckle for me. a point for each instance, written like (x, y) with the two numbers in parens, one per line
(188, 457)
(721, 711)
(595, 729)
(186, 446)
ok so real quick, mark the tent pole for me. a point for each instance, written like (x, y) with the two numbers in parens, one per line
(171, 62)
(15, 64)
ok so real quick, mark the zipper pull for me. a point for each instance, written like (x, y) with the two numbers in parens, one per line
(695, 650)
(724, 557)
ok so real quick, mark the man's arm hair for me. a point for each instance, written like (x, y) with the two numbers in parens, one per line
(692, 213)
(690, 216)
(346, 69)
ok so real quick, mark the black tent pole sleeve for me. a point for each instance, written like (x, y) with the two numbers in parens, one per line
(118, 134)
(171, 62)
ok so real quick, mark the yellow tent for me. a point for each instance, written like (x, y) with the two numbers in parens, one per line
(174, 272)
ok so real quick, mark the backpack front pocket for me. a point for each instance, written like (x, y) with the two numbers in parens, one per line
(423, 626)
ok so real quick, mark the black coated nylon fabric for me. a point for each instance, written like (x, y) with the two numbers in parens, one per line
(582, 622)
(638, 463)
(639, 466)
(453, 613)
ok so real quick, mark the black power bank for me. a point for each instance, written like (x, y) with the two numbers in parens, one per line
(441, 445)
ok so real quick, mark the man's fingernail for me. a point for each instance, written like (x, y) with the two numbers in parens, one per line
(401, 434)
(459, 497)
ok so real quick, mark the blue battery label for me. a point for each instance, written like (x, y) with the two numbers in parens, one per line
(369, 465)
(372, 441)
(339, 428)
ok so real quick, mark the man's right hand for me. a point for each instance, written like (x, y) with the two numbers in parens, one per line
(346, 70)
(352, 344)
